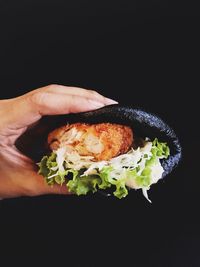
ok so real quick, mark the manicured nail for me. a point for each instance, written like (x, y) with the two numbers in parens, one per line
(110, 101)
(95, 104)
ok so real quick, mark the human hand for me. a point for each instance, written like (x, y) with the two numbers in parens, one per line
(18, 173)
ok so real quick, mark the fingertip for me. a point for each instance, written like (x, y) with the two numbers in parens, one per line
(93, 104)
(60, 190)
(109, 101)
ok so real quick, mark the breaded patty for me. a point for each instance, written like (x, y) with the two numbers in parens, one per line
(102, 141)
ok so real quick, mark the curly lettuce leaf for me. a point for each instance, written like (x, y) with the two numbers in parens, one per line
(160, 149)
(43, 169)
(46, 164)
(104, 178)
(48, 168)
(81, 185)
(144, 180)
(107, 180)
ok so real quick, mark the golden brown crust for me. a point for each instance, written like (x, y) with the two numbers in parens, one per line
(103, 141)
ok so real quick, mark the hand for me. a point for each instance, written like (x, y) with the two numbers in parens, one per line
(18, 174)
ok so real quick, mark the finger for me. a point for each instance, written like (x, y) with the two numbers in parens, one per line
(40, 187)
(20, 178)
(57, 189)
(69, 90)
(51, 103)
(29, 108)
(45, 103)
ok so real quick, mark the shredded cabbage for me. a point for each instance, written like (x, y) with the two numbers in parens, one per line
(137, 169)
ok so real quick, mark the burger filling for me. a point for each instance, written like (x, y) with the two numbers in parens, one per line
(95, 157)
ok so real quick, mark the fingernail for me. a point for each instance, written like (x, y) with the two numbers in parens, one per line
(110, 101)
(96, 104)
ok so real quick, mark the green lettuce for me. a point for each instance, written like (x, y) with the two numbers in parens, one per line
(107, 181)
(81, 185)
(103, 179)
(160, 149)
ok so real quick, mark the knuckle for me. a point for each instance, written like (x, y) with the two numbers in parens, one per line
(93, 92)
(39, 97)
(51, 86)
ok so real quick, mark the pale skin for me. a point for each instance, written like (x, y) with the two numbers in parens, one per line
(18, 174)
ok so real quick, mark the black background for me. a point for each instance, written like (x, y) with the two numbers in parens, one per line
(143, 53)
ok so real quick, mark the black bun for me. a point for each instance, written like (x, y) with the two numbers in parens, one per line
(33, 142)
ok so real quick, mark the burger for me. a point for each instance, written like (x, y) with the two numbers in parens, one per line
(113, 149)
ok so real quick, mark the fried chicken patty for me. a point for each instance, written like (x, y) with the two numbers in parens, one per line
(102, 141)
